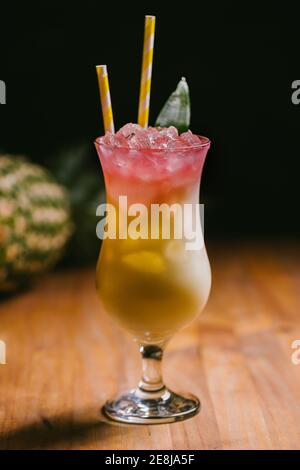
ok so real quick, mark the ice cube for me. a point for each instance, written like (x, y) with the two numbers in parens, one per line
(136, 137)
(129, 129)
(171, 132)
(108, 138)
(115, 140)
(160, 141)
(139, 140)
(118, 140)
(153, 132)
(176, 144)
(190, 138)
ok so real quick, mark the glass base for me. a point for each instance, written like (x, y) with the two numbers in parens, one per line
(156, 407)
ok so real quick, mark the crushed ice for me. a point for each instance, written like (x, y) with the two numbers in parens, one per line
(136, 137)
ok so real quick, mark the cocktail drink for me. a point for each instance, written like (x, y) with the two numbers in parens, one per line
(153, 274)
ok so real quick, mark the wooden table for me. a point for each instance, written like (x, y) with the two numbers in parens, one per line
(65, 357)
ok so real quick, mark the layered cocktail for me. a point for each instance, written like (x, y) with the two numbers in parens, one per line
(153, 274)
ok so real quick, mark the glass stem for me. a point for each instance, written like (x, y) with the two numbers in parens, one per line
(151, 380)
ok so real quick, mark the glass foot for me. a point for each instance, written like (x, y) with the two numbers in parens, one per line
(144, 407)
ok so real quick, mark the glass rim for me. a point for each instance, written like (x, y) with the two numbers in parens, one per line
(199, 146)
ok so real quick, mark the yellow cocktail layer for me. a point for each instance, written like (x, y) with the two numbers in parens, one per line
(152, 287)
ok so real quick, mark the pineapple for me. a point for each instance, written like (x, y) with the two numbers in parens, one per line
(77, 168)
(35, 221)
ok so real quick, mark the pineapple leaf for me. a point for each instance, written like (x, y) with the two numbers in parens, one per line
(177, 109)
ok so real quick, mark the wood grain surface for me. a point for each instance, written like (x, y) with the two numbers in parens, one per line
(65, 358)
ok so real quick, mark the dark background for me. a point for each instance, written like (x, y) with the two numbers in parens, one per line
(239, 62)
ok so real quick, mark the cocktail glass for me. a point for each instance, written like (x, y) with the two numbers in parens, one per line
(153, 286)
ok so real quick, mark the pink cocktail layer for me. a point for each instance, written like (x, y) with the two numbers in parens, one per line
(151, 174)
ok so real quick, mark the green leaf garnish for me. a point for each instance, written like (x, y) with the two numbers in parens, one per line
(177, 110)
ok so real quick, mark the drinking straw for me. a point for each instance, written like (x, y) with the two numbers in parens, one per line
(144, 102)
(107, 113)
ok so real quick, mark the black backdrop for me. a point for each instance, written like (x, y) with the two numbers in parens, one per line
(239, 63)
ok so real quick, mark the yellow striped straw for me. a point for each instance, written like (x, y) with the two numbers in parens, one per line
(105, 98)
(144, 103)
